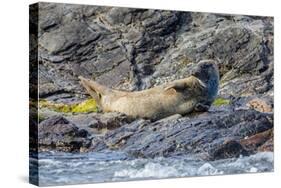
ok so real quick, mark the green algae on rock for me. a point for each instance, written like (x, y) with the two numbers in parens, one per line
(86, 106)
(41, 117)
(221, 101)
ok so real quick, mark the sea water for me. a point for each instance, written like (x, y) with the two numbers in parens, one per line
(58, 168)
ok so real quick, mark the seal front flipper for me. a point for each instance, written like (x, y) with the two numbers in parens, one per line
(193, 84)
(201, 107)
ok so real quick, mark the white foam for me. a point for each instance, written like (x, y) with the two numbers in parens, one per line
(253, 170)
(253, 159)
(149, 170)
(207, 169)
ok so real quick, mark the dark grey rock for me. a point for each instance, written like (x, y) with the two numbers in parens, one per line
(109, 120)
(204, 134)
(229, 149)
(59, 134)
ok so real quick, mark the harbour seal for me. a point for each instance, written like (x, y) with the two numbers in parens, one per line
(194, 93)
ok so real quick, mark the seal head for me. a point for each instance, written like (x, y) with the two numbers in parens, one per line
(207, 72)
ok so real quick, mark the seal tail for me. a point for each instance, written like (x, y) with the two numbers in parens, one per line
(94, 89)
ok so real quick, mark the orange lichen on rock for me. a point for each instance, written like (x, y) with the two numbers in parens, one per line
(260, 105)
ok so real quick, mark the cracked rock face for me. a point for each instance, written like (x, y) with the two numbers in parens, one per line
(135, 49)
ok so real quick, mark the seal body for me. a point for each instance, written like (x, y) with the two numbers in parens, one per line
(178, 97)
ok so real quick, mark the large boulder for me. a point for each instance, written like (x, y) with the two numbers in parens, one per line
(57, 133)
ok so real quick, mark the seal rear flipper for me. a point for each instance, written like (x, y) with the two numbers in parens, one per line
(94, 89)
(90, 91)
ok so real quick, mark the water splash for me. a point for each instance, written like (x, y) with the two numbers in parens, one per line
(67, 168)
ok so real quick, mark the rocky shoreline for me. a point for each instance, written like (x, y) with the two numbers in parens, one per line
(223, 132)
(135, 49)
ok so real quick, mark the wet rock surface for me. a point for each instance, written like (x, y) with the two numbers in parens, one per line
(135, 49)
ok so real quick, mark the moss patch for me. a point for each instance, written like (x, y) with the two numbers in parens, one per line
(83, 107)
(221, 101)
